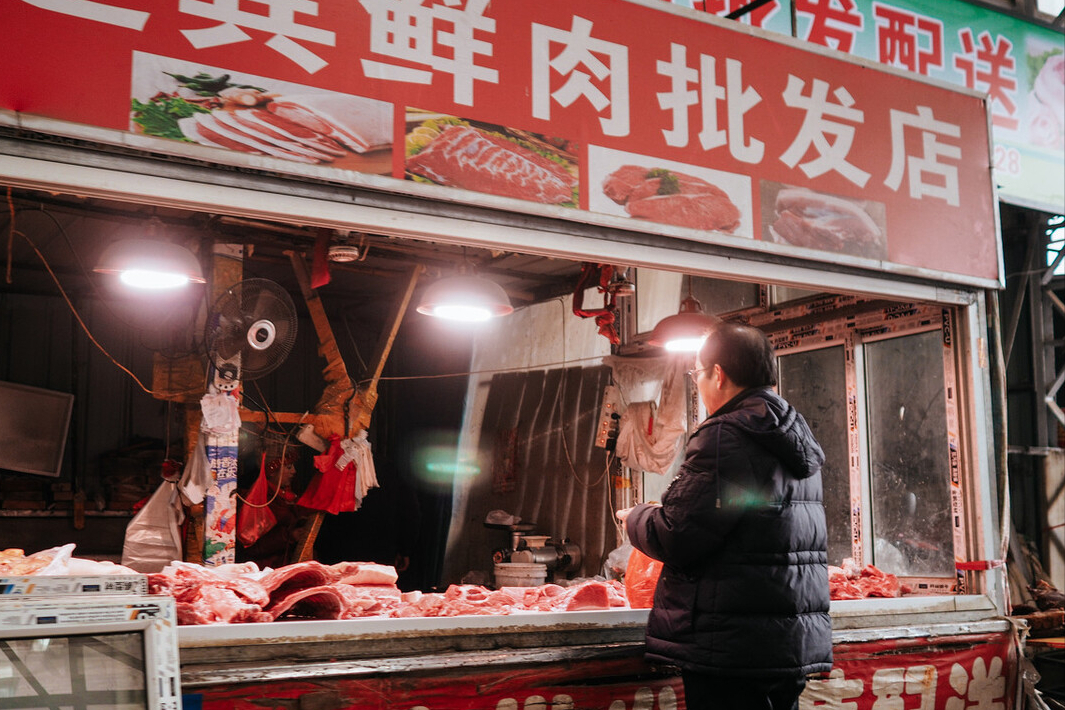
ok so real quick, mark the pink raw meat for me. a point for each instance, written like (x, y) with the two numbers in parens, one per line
(324, 602)
(290, 578)
(467, 157)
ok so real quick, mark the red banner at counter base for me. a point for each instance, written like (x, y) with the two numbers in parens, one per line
(636, 110)
(946, 673)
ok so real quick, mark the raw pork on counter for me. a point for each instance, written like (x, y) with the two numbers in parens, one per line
(850, 582)
(237, 594)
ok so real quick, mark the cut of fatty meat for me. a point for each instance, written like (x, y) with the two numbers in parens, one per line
(206, 129)
(359, 123)
(271, 135)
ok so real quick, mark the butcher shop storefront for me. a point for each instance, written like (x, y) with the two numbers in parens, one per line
(334, 168)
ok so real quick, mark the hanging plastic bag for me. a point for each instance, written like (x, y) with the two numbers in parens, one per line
(641, 578)
(196, 478)
(153, 537)
(255, 518)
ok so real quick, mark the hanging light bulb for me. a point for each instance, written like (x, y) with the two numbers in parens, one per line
(465, 297)
(685, 331)
(150, 264)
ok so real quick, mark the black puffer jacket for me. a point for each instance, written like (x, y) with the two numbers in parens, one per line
(741, 533)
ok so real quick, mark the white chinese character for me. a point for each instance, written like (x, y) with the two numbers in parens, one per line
(986, 691)
(829, 694)
(280, 20)
(929, 162)
(818, 125)
(95, 11)
(890, 684)
(679, 98)
(581, 50)
(404, 29)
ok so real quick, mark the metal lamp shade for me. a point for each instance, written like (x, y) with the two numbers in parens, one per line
(147, 263)
(466, 298)
(685, 331)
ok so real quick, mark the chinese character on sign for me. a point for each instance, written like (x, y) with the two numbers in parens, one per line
(581, 61)
(95, 11)
(831, 693)
(990, 67)
(833, 23)
(928, 164)
(985, 691)
(280, 20)
(907, 40)
(410, 31)
(890, 685)
(756, 18)
(680, 97)
(818, 125)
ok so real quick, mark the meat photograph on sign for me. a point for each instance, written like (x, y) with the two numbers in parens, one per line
(804, 218)
(662, 191)
(213, 107)
(497, 160)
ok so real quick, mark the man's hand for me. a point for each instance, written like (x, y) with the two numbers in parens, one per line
(623, 514)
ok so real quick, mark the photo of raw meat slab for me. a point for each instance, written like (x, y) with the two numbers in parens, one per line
(496, 160)
(805, 218)
(666, 192)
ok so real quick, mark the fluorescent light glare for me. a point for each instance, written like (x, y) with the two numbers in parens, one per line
(150, 264)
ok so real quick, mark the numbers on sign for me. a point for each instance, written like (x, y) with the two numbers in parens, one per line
(1008, 161)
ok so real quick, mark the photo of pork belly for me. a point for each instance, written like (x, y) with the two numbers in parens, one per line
(814, 220)
(475, 159)
(672, 197)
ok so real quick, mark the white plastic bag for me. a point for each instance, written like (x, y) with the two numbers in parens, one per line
(196, 478)
(153, 537)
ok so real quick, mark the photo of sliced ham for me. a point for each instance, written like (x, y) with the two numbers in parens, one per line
(359, 123)
(474, 159)
(814, 220)
(672, 197)
(206, 128)
(249, 122)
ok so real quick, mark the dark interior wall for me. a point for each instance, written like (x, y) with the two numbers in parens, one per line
(118, 433)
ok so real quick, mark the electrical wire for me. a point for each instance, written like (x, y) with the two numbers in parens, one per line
(77, 316)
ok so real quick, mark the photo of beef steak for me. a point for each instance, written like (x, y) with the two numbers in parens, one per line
(467, 157)
(619, 184)
(671, 197)
(698, 211)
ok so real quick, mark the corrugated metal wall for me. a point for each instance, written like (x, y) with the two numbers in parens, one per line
(539, 462)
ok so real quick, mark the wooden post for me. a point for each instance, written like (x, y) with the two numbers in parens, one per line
(359, 404)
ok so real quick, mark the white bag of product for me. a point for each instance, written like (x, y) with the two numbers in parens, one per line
(153, 537)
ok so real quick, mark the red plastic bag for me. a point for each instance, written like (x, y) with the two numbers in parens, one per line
(256, 518)
(641, 578)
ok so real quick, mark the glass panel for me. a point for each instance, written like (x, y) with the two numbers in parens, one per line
(908, 456)
(87, 671)
(815, 384)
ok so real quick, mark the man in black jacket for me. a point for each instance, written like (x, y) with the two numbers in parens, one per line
(741, 605)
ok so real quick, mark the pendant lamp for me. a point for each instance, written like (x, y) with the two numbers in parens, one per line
(465, 297)
(685, 331)
(150, 264)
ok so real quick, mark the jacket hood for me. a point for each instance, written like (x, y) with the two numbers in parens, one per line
(772, 423)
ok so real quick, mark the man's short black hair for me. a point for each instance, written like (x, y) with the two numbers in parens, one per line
(743, 352)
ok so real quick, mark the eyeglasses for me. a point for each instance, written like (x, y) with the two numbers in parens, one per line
(694, 374)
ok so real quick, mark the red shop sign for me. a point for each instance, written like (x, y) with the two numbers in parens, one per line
(667, 119)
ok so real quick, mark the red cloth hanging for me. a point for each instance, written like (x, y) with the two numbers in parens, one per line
(333, 489)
